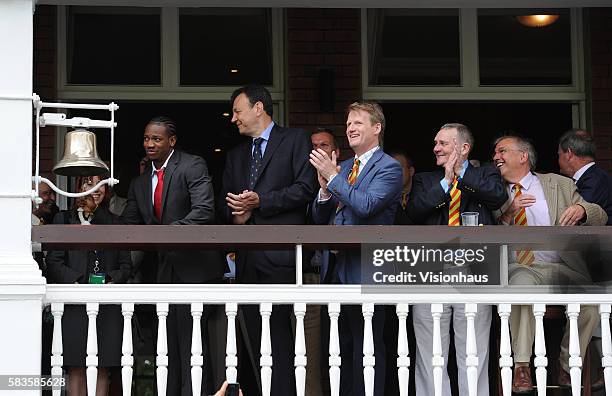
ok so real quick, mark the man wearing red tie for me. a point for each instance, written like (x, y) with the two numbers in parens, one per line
(439, 198)
(175, 188)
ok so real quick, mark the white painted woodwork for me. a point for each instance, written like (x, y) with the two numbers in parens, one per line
(162, 348)
(540, 360)
(437, 361)
(91, 361)
(266, 349)
(471, 358)
(197, 360)
(57, 361)
(606, 346)
(300, 349)
(403, 359)
(333, 310)
(127, 349)
(505, 350)
(575, 360)
(231, 360)
(369, 361)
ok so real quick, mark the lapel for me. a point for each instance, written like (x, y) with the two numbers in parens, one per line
(375, 158)
(168, 172)
(148, 193)
(276, 137)
(464, 195)
(550, 193)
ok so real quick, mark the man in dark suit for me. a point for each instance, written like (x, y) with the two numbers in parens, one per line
(176, 189)
(408, 171)
(364, 190)
(267, 180)
(439, 198)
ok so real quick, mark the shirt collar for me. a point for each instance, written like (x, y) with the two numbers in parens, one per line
(525, 182)
(365, 157)
(153, 169)
(266, 132)
(581, 171)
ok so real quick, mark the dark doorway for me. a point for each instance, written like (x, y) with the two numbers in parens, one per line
(413, 126)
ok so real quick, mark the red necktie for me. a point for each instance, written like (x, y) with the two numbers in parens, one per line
(157, 197)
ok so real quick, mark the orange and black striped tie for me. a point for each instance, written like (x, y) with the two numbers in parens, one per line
(453, 210)
(524, 257)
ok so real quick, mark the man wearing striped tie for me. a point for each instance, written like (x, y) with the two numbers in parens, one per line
(438, 198)
(542, 200)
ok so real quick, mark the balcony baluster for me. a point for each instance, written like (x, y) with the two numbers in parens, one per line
(197, 359)
(300, 349)
(334, 349)
(403, 359)
(127, 360)
(162, 349)
(540, 361)
(57, 361)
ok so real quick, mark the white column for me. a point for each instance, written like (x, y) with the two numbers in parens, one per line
(231, 361)
(437, 361)
(369, 361)
(91, 361)
(403, 358)
(127, 348)
(265, 309)
(505, 358)
(540, 361)
(606, 346)
(300, 349)
(162, 348)
(21, 284)
(197, 360)
(471, 359)
(575, 360)
(334, 349)
(57, 361)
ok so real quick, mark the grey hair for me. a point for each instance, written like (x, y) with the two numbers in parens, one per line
(524, 145)
(463, 133)
(579, 141)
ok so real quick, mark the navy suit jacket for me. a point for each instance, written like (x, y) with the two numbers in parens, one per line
(595, 186)
(372, 200)
(482, 191)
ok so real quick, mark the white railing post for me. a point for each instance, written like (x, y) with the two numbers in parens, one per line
(369, 361)
(437, 361)
(403, 360)
(265, 309)
(91, 361)
(505, 351)
(471, 358)
(300, 349)
(127, 360)
(57, 361)
(162, 348)
(334, 349)
(231, 361)
(575, 360)
(606, 346)
(540, 361)
(197, 360)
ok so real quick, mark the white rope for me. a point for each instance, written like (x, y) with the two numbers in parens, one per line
(110, 182)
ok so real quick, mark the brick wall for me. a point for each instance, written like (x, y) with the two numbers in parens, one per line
(600, 22)
(45, 78)
(322, 38)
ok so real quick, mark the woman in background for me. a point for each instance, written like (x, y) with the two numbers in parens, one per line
(93, 266)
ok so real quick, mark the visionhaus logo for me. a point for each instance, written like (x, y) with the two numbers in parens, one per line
(452, 264)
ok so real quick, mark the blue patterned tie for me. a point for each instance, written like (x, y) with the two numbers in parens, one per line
(255, 162)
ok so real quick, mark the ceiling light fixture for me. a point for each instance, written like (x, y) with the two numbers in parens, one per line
(537, 21)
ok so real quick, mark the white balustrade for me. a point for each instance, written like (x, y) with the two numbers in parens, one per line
(197, 360)
(540, 360)
(127, 360)
(57, 361)
(437, 360)
(575, 360)
(231, 360)
(162, 348)
(403, 360)
(471, 358)
(300, 349)
(334, 349)
(91, 361)
(266, 349)
(369, 360)
(505, 351)
(606, 346)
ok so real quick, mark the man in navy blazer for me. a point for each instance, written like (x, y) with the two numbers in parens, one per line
(364, 190)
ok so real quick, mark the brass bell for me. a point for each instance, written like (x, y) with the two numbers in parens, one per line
(80, 156)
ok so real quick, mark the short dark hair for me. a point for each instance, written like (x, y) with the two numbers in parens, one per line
(165, 121)
(255, 93)
(525, 144)
(403, 153)
(329, 132)
(579, 141)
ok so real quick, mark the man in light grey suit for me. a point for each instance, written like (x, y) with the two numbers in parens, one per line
(542, 200)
